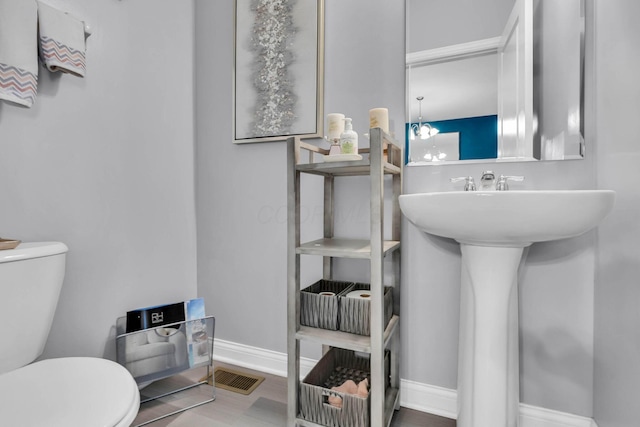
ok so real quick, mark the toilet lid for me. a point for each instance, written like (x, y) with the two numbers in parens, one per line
(69, 392)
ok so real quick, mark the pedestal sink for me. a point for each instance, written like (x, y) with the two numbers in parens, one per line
(493, 228)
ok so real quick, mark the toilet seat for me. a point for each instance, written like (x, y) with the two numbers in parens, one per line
(69, 392)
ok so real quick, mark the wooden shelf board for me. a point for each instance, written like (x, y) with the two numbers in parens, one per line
(344, 339)
(344, 248)
(358, 167)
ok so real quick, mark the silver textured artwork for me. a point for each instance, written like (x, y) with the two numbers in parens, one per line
(278, 69)
(271, 41)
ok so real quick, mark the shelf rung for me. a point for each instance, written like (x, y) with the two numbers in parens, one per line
(390, 330)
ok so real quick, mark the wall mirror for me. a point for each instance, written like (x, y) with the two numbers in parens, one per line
(494, 80)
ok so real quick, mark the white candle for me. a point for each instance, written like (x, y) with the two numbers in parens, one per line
(335, 125)
(379, 118)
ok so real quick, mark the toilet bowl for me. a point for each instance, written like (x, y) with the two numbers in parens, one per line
(70, 391)
(63, 392)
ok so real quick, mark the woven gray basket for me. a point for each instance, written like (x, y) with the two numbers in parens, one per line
(355, 314)
(321, 311)
(334, 368)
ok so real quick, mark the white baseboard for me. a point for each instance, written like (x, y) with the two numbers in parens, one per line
(534, 416)
(428, 398)
(413, 395)
(255, 358)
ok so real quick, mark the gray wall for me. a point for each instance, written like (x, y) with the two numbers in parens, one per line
(617, 296)
(105, 165)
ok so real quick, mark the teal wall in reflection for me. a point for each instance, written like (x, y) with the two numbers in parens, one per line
(478, 136)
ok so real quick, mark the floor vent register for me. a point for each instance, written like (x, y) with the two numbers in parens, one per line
(238, 382)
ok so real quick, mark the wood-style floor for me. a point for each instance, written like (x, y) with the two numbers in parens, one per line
(265, 407)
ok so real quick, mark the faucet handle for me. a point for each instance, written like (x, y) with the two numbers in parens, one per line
(502, 182)
(469, 185)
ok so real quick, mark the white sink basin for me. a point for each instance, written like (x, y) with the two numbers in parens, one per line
(493, 228)
(507, 218)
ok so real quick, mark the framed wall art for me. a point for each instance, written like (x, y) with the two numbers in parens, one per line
(278, 69)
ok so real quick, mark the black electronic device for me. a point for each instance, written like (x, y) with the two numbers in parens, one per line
(151, 317)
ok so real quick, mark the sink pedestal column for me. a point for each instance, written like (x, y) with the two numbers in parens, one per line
(488, 360)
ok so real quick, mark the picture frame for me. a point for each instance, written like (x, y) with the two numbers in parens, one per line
(278, 70)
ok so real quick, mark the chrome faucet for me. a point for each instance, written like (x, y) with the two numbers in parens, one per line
(488, 181)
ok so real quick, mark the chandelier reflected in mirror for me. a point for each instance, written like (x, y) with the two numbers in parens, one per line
(421, 130)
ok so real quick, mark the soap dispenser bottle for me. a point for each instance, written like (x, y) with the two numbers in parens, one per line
(348, 138)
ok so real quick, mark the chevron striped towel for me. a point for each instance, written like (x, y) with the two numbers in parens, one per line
(18, 54)
(62, 43)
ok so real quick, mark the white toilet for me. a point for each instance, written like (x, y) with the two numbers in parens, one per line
(64, 392)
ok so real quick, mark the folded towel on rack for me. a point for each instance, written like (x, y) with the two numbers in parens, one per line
(18, 54)
(62, 42)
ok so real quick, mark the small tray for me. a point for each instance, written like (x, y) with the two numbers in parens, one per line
(342, 158)
(8, 244)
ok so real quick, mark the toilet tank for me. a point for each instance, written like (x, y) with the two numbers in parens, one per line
(31, 277)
